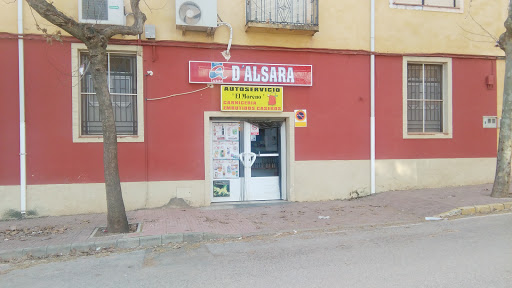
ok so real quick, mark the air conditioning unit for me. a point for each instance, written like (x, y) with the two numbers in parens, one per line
(197, 15)
(101, 12)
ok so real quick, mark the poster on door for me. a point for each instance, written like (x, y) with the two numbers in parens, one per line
(225, 169)
(225, 131)
(225, 150)
(221, 188)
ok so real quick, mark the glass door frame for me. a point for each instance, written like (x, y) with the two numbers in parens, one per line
(244, 135)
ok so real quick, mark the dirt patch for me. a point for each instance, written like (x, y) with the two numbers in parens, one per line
(177, 203)
(102, 231)
(23, 234)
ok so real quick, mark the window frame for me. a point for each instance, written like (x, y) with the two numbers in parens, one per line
(447, 114)
(76, 48)
(397, 5)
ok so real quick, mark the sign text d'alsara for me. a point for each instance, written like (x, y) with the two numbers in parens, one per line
(250, 73)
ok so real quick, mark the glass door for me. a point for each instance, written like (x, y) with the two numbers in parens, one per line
(247, 160)
(265, 172)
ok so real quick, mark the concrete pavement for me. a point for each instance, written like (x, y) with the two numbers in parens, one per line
(45, 236)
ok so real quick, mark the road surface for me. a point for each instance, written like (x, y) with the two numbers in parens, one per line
(469, 252)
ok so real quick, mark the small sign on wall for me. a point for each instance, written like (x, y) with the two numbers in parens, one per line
(301, 119)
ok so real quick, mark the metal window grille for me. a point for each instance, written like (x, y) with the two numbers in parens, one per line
(295, 12)
(122, 82)
(435, 3)
(424, 98)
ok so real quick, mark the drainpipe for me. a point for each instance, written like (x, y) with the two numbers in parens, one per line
(372, 98)
(21, 81)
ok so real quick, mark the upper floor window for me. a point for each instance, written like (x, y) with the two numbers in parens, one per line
(429, 5)
(296, 15)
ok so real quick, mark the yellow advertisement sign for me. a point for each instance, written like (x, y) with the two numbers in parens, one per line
(251, 98)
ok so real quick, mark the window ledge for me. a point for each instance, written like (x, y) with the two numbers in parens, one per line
(297, 29)
(98, 138)
(428, 136)
(407, 6)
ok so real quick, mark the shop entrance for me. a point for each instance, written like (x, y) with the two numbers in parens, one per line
(248, 160)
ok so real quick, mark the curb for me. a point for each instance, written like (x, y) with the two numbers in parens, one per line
(477, 209)
(123, 243)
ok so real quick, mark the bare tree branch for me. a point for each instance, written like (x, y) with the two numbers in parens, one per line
(150, 10)
(57, 18)
(136, 28)
(481, 27)
(473, 33)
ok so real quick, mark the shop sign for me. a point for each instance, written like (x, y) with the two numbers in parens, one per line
(250, 73)
(251, 98)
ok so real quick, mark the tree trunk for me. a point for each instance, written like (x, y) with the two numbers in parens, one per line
(502, 178)
(116, 215)
(96, 37)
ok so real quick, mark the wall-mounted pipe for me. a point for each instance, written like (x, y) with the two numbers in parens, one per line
(372, 98)
(21, 81)
(227, 54)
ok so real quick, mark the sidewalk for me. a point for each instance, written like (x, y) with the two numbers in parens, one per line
(54, 235)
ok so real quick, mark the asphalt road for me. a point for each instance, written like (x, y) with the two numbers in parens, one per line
(469, 252)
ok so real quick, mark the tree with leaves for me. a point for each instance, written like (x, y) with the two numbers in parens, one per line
(502, 178)
(96, 37)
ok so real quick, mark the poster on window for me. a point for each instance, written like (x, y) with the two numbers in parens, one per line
(231, 130)
(221, 188)
(218, 132)
(225, 169)
(225, 150)
(225, 131)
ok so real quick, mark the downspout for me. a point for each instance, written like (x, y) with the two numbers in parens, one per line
(21, 81)
(372, 98)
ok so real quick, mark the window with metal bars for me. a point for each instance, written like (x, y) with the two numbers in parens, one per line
(294, 12)
(424, 98)
(122, 82)
(433, 3)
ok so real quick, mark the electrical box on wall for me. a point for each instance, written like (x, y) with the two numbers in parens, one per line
(196, 15)
(150, 31)
(101, 12)
(491, 122)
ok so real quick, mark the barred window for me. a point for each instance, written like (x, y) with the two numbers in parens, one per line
(122, 82)
(294, 12)
(424, 98)
(437, 3)
(427, 97)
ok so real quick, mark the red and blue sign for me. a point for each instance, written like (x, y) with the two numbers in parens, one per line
(250, 73)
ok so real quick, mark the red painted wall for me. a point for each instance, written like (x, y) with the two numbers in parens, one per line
(9, 113)
(471, 100)
(338, 114)
(52, 156)
(337, 105)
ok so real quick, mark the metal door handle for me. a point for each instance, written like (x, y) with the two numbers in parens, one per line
(247, 158)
